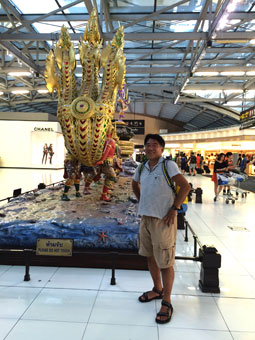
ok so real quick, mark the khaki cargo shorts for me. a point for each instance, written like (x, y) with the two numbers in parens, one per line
(157, 239)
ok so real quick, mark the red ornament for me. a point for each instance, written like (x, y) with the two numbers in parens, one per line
(102, 236)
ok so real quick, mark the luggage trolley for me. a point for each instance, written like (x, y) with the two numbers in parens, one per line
(240, 177)
(232, 179)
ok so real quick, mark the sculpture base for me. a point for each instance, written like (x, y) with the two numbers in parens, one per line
(83, 259)
(98, 228)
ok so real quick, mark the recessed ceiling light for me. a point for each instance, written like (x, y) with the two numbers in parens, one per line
(19, 74)
(20, 91)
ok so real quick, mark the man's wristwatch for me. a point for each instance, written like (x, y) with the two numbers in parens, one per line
(174, 207)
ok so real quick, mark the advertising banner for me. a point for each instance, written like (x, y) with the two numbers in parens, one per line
(247, 118)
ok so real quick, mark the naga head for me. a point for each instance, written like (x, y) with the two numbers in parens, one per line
(91, 33)
(50, 74)
(64, 39)
(118, 39)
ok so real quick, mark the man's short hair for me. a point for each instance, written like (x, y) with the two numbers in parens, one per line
(156, 137)
(228, 154)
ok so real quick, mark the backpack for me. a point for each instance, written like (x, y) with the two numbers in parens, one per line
(193, 159)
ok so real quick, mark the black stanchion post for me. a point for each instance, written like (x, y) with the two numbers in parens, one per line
(195, 245)
(113, 280)
(27, 275)
(209, 273)
(186, 231)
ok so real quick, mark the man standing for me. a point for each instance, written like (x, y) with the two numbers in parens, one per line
(158, 207)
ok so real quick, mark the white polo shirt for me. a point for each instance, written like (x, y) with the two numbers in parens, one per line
(156, 197)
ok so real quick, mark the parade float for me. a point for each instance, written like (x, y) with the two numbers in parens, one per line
(85, 113)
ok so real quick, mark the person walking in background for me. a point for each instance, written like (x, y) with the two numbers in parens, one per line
(158, 207)
(192, 164)
(239, 160)
(178, 160)
(212, 158)
(220, 166)
(243, 163)
(183, 163)
(198, 161)
(229, 162)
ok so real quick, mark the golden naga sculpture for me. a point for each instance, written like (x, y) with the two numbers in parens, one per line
(86, 114)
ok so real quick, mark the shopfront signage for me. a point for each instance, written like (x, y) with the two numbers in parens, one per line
(247, 118)
(137, 125)
(43, 129)
(54, 247)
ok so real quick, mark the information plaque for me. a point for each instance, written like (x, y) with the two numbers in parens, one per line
(54, 247)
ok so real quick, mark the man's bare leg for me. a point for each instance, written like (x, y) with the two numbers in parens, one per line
(168, 280)
(155, 275)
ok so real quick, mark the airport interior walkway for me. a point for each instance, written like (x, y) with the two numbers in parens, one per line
(80, 304)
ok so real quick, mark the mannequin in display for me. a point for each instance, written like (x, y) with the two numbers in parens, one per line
(45, 153)
(51, 152)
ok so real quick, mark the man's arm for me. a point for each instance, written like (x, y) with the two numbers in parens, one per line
(136, 189)
(185, 188)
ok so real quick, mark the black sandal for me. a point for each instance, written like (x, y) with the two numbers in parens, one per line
(169, 316)
(145, 296)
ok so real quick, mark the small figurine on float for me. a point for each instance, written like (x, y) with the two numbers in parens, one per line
(72, 174)
(117, 161)
(105, 166)
(90, 174)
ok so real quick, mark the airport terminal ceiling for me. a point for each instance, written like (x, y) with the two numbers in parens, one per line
(190, 62)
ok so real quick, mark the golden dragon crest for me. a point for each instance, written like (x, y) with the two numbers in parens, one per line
(85, 114)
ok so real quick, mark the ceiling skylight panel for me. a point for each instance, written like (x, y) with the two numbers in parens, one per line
(47, 27)
(35, 7)
(184, 26)
(79, 8)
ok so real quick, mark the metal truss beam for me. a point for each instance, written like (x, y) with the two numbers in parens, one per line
(152, 15)
(106, 36)
(180, 109)
(201, 50)
(44, 16)
(30, 18)
(26, 61)
(221, 110)
(164, 36)
(229, 50)
(153, 52)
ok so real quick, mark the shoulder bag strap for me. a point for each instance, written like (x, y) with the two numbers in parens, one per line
(168, 178)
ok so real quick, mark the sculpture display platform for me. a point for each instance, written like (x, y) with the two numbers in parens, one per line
(94, 225)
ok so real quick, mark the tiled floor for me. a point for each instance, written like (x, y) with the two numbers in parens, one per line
(80, 304)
